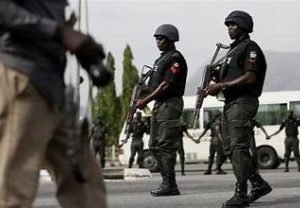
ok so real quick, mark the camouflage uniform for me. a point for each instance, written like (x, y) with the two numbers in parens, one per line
(99, 132)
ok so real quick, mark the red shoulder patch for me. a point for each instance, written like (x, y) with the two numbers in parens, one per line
(175, 68)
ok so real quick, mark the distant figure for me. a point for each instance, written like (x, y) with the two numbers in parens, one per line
(181, 148)
(215, 144)
(137, 130)
(98, 135)
(253, 149)
(291, 141)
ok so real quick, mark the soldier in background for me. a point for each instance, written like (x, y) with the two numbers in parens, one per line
(137, 130)
(180, 151)
(215, 144)
(291, 141)
(98, 134)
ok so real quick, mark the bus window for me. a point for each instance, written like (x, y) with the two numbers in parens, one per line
(209, 114)
(295, 106)
(271, 114)
(188, 118)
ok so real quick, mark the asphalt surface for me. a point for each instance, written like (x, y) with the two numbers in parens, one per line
(197, 190)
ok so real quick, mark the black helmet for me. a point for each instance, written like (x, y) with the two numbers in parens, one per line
(169, 31)
(242, 19)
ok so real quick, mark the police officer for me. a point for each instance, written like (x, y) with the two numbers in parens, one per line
(98, 133)
(34, 37)
(241, 80)
(181, 153)
(291, 141)
(215, 144)
(137, 129)
(166, 84)
(253, 148)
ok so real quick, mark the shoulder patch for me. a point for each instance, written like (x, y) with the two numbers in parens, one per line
(175, 68)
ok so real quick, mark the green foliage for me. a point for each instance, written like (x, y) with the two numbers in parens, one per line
(107, 104)
(130, 79)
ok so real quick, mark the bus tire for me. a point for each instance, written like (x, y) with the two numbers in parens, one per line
(267, 158)
(150, 162)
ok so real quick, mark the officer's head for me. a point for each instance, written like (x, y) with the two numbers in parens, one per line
(290, 113)
(166, 35)
(238, 23)
(99, 118)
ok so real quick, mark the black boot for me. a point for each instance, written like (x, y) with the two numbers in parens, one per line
(168, 186)
(286, 162)
(208, 172)
(259, 187)
(219, 170)
(130, 162)
(239, 199)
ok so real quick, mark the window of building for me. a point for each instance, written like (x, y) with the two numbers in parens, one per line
(295, 106)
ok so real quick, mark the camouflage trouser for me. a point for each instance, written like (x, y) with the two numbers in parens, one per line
(165, 134)
(136, 146)
(291, 144)
(165, 126)
(216, 147)
(238, 131)
(32, 136)
(99, 148)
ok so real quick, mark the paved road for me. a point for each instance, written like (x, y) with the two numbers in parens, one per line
(197, 191)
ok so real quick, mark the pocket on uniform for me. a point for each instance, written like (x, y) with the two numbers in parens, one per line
(169, 134)
(241, 124)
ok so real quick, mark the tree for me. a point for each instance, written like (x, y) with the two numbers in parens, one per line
(130, 79)
(108, 105)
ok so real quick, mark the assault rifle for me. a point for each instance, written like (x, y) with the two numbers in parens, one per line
(136, 93)
(206, 78)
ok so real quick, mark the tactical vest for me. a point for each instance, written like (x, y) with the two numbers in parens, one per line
(291, 127)
(138, 129)
(160, 67)
(100, 132)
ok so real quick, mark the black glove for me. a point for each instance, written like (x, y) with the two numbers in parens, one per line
(89, 53)
(100, 75)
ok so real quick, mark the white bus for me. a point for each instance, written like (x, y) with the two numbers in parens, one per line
(272, 109)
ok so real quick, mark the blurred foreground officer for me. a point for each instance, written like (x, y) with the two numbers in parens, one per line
(291, 141)
(137, 129)
(167, 84)
(33, 40)
(241, 80)
(99, 133)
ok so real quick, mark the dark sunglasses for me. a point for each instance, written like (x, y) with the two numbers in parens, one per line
(159, 38)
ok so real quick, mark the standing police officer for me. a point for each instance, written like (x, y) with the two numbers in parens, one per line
(166, 84)
(215, 144)
(241, 80)
(137, 129)
(291, 141)
(98, 133)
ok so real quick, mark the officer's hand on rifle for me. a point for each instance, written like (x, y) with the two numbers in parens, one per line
(141, 104)
(213, 89)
